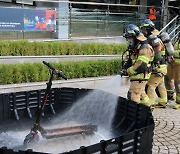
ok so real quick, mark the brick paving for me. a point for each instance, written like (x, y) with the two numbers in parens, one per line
(166, 138)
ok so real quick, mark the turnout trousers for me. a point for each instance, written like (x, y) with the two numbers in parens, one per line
(156, 87)
(137, 92)
(173, 81)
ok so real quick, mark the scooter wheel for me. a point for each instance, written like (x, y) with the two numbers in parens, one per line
(31, 138)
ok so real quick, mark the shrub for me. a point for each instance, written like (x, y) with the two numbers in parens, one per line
(35, 72)
(25, 48)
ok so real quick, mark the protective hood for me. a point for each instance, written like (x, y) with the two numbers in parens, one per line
(155, 32)
(141, 37)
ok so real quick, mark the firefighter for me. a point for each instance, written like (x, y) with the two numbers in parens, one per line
(173, 78)
(141, 55)
(152, 13)
(156, 83)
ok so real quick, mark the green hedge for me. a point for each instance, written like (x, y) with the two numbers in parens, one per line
(25, 48)
(36, 72)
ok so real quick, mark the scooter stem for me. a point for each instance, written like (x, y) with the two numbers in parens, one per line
(49, 84)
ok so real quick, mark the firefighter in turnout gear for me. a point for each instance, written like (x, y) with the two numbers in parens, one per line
(142, 55)
(156, 86)
(173, 77)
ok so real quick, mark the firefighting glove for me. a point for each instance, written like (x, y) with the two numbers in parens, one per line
(123, 72)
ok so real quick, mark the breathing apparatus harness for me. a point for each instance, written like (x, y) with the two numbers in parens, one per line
(128, 62)
(169, 54)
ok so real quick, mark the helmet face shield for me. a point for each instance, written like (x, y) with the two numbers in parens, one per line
(147, 24)
(129, 34)
(131, 31)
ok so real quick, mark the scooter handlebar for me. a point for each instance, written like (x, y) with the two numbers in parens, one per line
(48, 65)
(58, 73)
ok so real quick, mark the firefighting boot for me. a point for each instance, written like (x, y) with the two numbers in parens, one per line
(176, 106)
(161, 105)
(171, 95)
(152, 108)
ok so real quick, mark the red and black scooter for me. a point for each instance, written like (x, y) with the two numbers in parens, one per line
(33, 136)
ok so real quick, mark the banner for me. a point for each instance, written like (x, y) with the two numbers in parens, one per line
(11, 19)
(27, 19)
(39, 20)
(5, 0)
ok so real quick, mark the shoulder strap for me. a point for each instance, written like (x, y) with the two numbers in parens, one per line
(144, 45)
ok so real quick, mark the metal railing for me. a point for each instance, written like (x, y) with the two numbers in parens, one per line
(173, 29)
(100, 23)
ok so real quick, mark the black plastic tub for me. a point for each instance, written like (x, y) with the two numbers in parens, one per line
(131, 129)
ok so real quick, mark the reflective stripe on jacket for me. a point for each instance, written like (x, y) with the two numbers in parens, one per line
(177, 56)
(145, 56)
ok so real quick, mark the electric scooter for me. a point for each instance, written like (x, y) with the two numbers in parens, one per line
(33, 136)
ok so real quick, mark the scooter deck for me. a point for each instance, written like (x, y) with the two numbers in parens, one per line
(68, 131)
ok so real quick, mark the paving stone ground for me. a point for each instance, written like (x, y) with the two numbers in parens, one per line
(166, 138)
